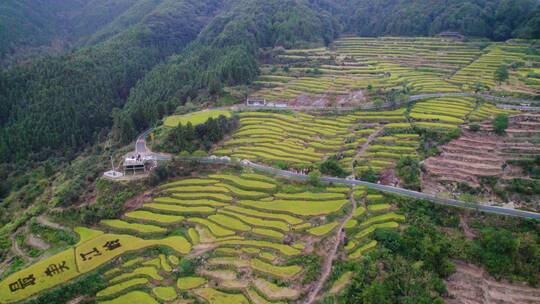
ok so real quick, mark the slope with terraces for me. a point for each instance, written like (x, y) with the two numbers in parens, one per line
(484, 154)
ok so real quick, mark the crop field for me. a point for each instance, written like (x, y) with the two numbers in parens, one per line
(509, 53)
(196, 118)
(298, 139)
(244, 228)
(391, 137)
(353, 64)
(336, 74)
(372, 214)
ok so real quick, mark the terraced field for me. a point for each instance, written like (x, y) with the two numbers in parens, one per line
(395, 140)
(247, 229)
(351, 67)
(352, 64)
(476, 155)
(512, 52)
(361, 140)
(298, 140)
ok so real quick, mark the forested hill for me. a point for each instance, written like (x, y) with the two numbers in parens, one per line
(146, 57)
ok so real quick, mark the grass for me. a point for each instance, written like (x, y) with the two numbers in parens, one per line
(383, 218)
(179, 209)
(379, 207)
(216, 230)
(274, 292)
(302, 208)
(188, 283)
(203, 195)
(213, 296)
(265, 215)
(268, 232)
(363, 249)
(310, 196)
(192, 202)
(284, 249)
(259, 222)
(128, 243)
(195, 118)
(245, 194)
(43, 282)
(193, 236)
(369, 230)
(323, 229)
(189, 182)
(202, 189)
(138, 297)
(282, 272)
(247, 184)
(229, 222)
(114, 289)
(154, 217)
(147, 271)
(86, 234)
(164, 263)
(341, 282)
(164, 293)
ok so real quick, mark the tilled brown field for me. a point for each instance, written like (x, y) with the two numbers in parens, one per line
(472, 285)
(478, 154)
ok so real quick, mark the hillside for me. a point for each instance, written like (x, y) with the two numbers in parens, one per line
(406, 134)
(132, 40)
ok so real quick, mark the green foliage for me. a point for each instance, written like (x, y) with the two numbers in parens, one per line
(500, 123)
(332, 167)
(370, 175)
(503, 253)
(408, 170)
(53, 236)
(474, 127)
(501, 74)
(88, 285)
(314, 178)
(202, 137)
(311, 265)
(109, 203)
(523, 186)
(385, 277)
(62, 104)
(494, 19)
(530, 167)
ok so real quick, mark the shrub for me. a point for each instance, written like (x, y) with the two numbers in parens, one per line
(500, 123)
(474, 127)
(314, 178)
(408, 170)
(332, 167)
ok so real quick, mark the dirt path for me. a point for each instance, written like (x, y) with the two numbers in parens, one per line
(365, 145)
(327, 265)
(43, 220)
(469, 234)
(472, 285)
(37, 242)
(18, 251)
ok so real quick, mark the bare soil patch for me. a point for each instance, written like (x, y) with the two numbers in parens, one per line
(472, 285)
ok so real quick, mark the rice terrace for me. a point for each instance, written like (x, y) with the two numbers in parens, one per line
(257, 152)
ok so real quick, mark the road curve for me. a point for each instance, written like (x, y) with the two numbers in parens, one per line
(383, 188)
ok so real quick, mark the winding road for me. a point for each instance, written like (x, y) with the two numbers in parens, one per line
(140, 145)
(389, 189)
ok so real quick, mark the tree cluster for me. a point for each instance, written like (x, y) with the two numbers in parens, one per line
(201, 137)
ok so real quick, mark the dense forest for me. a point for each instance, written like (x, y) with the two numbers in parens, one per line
(133, 61)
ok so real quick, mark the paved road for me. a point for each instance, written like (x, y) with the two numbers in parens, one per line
(514, 103)
(140, 143)
(383, 188)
